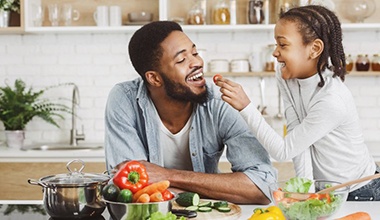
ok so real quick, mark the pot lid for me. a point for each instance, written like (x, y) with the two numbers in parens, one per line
(74, 177)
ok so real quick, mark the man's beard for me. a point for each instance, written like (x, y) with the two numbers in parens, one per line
(182, 93)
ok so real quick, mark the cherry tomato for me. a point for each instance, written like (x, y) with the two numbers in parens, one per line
(215, 77)
(167, 195)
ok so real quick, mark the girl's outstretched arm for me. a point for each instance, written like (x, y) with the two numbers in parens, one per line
(232, 93)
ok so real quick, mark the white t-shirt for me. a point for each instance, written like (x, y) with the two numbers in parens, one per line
(175, 147)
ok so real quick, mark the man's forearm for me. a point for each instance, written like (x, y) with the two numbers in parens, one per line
(233, 187)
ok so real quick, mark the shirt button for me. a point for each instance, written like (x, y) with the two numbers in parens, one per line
(356, 198)
(371, 198)
(194, 154)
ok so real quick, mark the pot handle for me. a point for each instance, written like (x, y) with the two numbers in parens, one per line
(75, 171)
(36, 182)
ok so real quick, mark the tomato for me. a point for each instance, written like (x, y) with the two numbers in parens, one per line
(215, 77)
(167, 195)
(125, 196)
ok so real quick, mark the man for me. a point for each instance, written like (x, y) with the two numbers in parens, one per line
(171, 121)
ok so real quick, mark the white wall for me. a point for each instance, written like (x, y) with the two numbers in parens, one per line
(95, 62)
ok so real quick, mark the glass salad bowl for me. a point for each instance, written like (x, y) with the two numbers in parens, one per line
(297, 198)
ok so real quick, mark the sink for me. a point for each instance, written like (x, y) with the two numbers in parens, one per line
(64, 146)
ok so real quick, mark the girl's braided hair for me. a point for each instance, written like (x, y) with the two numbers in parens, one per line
(318, 22)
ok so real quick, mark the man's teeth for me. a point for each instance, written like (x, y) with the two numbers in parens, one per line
(199, 75)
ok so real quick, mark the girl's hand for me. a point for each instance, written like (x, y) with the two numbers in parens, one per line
(232, 93)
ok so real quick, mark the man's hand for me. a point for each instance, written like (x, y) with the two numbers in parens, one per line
(232, 93)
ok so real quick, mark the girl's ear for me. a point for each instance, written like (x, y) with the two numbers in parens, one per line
(316, 48)
(153, 78)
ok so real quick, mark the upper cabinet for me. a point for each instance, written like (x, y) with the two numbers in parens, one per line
(37, 16)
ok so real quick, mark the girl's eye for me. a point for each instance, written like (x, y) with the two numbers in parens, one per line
(195, 54)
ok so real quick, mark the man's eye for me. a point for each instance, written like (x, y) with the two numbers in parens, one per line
(181, 61)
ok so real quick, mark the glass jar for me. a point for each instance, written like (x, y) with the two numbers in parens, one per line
(196, 15)
(269, 58)
(375, 64)
(255, 12)
(221, 13)
(349, 63)
(362, 63)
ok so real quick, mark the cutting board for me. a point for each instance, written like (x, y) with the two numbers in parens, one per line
(235, 212)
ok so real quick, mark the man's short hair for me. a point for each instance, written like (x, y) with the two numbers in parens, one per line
(144, 47)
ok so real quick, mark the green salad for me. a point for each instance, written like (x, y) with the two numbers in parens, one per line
(317, 205)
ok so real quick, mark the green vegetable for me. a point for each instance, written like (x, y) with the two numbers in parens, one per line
(298, 184)
(224, 209)
(220, 204)
(110, 192)
(125, 196)
(161, 216)
(310, 209)
(205, 209)
(205, 204)
(192, 208)
(188, 199)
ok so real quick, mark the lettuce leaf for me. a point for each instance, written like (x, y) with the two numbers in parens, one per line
(298, 184)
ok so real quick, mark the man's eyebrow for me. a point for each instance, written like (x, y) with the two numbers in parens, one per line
(181, 51)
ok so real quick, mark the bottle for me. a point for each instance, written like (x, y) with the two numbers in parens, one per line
(362, 63)
(375, 64)
(255, 12)
(269, 58)
(196, 15)
(233, 11)
(221, 13)
(349, 63)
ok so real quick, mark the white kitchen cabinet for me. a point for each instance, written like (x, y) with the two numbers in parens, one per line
(162, 10)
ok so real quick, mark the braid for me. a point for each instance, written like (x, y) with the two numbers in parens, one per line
(317, 22)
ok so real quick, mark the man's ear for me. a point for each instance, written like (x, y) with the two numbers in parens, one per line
(153, 78)
(316, 48)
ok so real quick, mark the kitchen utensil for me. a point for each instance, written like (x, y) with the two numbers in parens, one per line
(73, 195)
(101, 16)
(349, 183)
(262, 92)
(141, 16)
(279, 113)
(132, 211)
(291, 202)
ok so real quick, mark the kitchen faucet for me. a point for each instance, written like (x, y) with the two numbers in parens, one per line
(74, 135)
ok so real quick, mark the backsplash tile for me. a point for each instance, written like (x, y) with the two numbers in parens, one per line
(96, 62)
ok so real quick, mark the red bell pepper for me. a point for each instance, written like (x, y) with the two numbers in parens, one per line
(132, 175)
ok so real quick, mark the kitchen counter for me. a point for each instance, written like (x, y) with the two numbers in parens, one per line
(246, 210)
(17, 155)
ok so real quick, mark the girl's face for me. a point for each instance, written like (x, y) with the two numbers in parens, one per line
(295, 58)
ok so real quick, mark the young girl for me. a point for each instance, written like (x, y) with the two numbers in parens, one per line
(324, 137)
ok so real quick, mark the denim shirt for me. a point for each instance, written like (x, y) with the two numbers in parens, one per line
(132, 132)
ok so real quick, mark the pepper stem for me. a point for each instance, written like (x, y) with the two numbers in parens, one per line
(134, 177)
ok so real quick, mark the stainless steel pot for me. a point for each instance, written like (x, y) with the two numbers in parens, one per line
(73, 195)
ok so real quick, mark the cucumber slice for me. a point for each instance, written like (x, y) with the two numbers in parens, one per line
(192, 208)
(205, 204)
(204, 209)
(224, 209)
(220, 204)
(186, 199)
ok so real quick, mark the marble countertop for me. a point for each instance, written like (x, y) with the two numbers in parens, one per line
(371, 208)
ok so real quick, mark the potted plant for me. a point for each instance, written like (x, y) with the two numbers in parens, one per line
(19, 105)
(9, 13)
